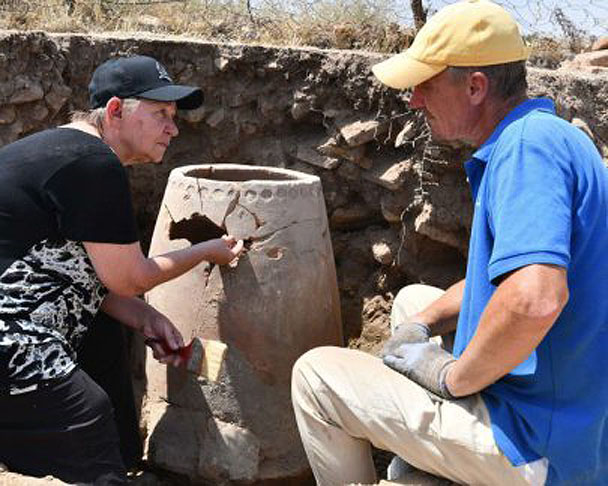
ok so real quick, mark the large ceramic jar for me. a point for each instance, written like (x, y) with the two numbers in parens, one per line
(279, 301)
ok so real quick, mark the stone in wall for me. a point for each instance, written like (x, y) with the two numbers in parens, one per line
(32, 85)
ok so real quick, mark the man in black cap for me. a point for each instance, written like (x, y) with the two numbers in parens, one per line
(69, 249)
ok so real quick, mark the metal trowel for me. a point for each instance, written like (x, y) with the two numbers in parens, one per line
(203, 358)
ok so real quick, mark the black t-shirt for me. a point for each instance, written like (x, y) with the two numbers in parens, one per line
(58, 188)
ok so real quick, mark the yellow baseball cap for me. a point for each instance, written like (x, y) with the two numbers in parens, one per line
(468, 33)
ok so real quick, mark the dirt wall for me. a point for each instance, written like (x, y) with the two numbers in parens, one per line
(398, 206)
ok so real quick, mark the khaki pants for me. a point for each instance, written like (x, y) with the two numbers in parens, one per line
(345, 400)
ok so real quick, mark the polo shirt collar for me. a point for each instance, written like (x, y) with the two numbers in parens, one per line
(543, 104)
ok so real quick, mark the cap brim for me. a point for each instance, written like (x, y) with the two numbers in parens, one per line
(186, 97)
(401, 71)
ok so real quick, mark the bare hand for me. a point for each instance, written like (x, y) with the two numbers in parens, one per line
(223, 250)
(163, 337)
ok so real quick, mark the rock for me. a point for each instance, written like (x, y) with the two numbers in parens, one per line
(393, 203)
(221, 63)
(299, 110)
(11, 132)
(57, 96)
(596, 61)
(382, 253)
(14, 479)
(600, 44)
(578, 123)
(194, 116)
(351, 217)
(216, 118)
(38, 111)
(6, 90)
(174, 436)
(426, 225)
(361, 132)
(389, 174)
(406, 134)
(26, 90)
(229, 451)
(311, 156)
(331, 148)
(7, 114)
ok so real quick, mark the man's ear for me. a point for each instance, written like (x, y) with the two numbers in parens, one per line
(478, 87)
(114, 109)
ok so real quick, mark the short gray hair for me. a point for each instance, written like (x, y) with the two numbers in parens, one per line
(96, 115)
(507, 81)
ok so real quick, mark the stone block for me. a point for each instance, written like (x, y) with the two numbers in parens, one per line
(361, 132)
(216, 118)
(229, 451)
(26, 90)
(596, 61)
(311, 156)
(7, 115)
(389, 174)
(38, 111)
(57, 96)
(331, 148)
(194, 116)
(600, 44)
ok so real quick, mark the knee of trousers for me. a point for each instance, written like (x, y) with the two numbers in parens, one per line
(95, 401)
(408, 293)
(306, 371)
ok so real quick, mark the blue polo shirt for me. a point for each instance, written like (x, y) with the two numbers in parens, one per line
(541, 196)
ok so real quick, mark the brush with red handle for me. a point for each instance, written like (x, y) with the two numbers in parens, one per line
(202, 358)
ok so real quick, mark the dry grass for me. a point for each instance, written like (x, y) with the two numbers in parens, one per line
(346, 24)
(358, 24)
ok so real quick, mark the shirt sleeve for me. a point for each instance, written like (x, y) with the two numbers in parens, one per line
(530, 211)
(92, 201)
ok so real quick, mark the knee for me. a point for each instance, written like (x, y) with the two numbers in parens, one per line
(408, 294)
(308, 368)
(309, 362)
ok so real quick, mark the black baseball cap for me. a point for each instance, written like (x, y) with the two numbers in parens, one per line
(140, 77)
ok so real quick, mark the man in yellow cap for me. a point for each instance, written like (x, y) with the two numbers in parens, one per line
(521, 398)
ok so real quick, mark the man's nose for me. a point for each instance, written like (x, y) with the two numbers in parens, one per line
(417, 99)
(172, 128)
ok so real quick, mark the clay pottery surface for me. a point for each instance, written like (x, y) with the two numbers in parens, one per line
(280, 300)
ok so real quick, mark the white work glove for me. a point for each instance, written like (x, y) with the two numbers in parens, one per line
(409, 332)
(424, 363)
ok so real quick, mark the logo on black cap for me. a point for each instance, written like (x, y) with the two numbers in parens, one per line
(162, 72)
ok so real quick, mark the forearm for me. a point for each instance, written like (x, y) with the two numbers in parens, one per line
(130, 311)
(124, 270)
(162, 268)
(442, 315)
(517, 318)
